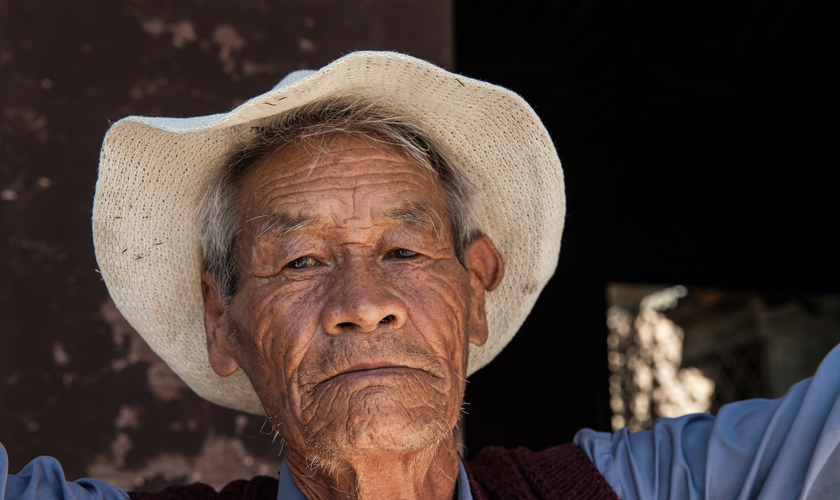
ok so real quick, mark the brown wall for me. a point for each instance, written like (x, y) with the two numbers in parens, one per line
(76, 381)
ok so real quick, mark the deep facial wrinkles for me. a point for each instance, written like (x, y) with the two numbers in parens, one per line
(343, 395)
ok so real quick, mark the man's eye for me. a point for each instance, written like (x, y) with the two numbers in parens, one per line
(401, 253)
(302, 262)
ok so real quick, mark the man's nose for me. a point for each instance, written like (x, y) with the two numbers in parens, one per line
(360, 300)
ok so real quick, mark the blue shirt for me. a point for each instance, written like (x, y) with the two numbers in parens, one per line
(787, 448)
(43, 479)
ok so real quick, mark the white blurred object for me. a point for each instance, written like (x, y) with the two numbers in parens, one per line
(647, 350)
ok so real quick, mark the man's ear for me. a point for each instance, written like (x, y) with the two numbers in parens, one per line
(221, 349)
(486, 270)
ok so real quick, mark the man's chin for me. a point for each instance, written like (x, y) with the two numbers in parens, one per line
(378, 422)
(375, 412)
(391, 430)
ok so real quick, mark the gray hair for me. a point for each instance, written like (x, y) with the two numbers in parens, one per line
(312, 125)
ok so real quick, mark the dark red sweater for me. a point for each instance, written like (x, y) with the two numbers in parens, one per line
(561, 473)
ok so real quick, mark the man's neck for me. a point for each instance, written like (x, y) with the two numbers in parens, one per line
(424, 474)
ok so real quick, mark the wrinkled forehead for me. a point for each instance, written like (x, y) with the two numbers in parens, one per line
(339, 172)
(332, 145)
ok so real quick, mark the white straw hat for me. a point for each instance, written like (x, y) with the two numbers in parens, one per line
(152, 172)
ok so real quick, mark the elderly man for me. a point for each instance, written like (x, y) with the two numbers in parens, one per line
(340, 253)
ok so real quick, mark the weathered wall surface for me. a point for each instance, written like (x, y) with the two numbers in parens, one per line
(76, 381)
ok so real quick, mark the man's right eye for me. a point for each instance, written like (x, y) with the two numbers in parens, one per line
(302, 262)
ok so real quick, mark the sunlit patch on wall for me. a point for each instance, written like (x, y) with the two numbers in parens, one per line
(677, 349)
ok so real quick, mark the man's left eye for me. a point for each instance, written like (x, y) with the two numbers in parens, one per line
(301, 263)
(401, 253)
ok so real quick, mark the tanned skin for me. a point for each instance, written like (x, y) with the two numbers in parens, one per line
(353, 317)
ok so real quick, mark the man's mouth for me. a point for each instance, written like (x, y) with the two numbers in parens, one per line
(384, 359)
(378, 372)
(374, 371)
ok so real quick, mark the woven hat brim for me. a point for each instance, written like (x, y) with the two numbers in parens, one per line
(152, 173)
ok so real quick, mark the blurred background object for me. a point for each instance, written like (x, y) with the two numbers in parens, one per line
(678, 350)
(697, 141)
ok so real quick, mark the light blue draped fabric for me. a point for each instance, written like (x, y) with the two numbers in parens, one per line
(787, 448)
(43, 479)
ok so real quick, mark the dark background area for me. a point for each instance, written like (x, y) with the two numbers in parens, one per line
(699, 143)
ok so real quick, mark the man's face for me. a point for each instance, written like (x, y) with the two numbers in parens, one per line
(353, 315)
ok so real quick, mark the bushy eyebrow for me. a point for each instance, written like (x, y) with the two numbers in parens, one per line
(407, 216)
(416, 214)
(281, 224)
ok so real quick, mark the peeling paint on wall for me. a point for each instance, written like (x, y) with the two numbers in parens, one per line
(162, 381)
(183, 31)
(229, 41)
(220, 461)
(128, 418)
(60, 354)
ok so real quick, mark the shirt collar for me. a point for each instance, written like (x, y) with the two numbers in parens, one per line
(288, 490)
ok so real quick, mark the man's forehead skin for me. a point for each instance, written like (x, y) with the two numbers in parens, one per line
(355, 185)
(311, 196)
(328, 164)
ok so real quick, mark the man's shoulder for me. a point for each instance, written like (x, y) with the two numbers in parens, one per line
(257, 488)
(562, 471)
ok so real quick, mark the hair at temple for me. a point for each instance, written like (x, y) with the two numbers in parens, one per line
(312, 125)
